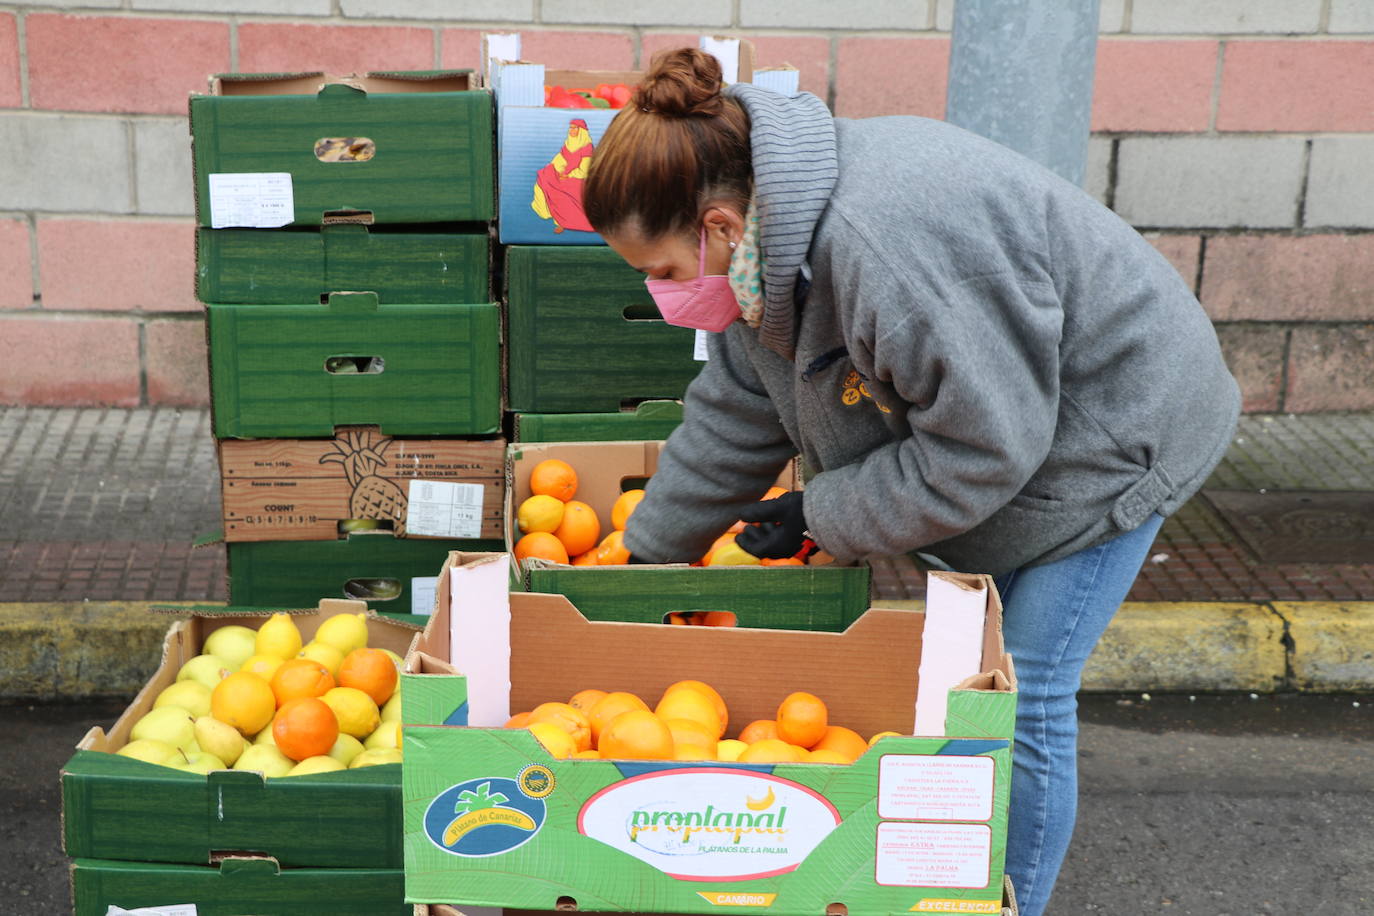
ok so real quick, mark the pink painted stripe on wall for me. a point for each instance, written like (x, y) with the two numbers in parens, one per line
(1297, 85)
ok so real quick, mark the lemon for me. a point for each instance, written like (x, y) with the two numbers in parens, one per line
(729, 749)
(391, 712)
(557, 742)
(312, 765)
(376, 757)
(279, 637)
(264, 666)
(388, 734)
(192, 696)
(540, 513)
(396, 660)
(356, 712)
(344, 632)
(325, 654)
(345, 748)
(265, 736)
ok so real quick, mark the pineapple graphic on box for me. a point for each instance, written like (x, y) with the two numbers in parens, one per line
(373, 496)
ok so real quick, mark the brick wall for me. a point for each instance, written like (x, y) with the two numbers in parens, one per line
(1236, 134)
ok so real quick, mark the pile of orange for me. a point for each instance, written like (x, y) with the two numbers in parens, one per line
(690, 722)
(555, 526)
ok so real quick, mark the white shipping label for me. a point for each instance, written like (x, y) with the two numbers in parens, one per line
(699, 347)
(936, 787)
(444, 510)
(179, 909)
(251, 200)
(934, 855)
(423, 590)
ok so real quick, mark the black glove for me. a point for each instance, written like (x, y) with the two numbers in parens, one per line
(781, 531)
(634, 560)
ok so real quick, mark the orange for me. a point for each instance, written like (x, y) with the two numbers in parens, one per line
(844, 741)
(555, 478)
(624, 507)
(769, 750)
(677, 620)
(557, 742)
(586, 699)
(689, 703)
(539, 513)
(612, 550)
(802, 719)
(586, 559)
(690, 731)
(826, 755)
(301, 677)
(716, 699)
(305, 728)
(774, 493)
(692, 751)
(610, 706)
(580, 529)
(636, 735)
(758, 730)
(785, 561)
(244, 701)
(541, 544)
(571, 720)
(588, 754)
(874, 740)
(519, 720)
(370, 670)
(717, 619)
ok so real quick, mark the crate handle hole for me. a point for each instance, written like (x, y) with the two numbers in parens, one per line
(701, 618)
(348, 526)
(373, 589)
(642, 312)
(566, 903)
(345, 149)
(355, 365)
(837, 909)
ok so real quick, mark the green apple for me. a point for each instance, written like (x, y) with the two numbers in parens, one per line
(266, 759)
(201, 762)
(391, 710)
(151, 751)
(192, 696)
(388, 734)
(207, 669)
(168, 724)
(222, 740)
(375, 757)
(312, 765)
(233, 644)
(345, 748)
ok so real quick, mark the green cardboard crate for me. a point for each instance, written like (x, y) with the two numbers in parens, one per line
(237, 885)
(297, 573)
(293, 371)
(584, 335)
(294, 266)
(409, 147)
(822, 597)
(650, 420)
(116, 807)
(915, 824)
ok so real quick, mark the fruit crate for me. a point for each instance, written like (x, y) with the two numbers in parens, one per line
(116, 807)
(819, 597)
(237, 884)
(647, 421)
(284, 371)
(584, 336)
(294, 266)
(272, 150)
(613, 835)
(398, 573)
(323, 489)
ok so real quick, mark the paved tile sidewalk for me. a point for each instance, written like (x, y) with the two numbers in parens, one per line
(104, 504)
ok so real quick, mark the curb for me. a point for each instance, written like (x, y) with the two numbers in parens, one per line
(83, 650)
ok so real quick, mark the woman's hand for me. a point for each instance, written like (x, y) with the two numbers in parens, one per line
(780, 531)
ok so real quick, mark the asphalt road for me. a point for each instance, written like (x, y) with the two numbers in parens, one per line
(1214, 806)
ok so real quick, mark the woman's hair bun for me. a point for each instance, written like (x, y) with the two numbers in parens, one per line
(683, 82)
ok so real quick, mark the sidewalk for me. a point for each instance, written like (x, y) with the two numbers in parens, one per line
(1264, 581)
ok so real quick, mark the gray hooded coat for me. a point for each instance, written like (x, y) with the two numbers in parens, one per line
(986, 365)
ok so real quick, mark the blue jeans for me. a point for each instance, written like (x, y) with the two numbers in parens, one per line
(1053, 616)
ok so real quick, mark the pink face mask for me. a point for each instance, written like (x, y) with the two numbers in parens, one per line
(706, 303)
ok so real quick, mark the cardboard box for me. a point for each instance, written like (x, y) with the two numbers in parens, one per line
(284, 371)
(917, 824)
(818, 597)
(544, 153)
(646, 421)
(238, 884)
(320, 489)
(299, 266)
(584, 335)
(272, 150)
(115, 807)
(289, 573)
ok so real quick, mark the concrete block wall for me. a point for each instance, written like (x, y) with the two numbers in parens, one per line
(1236, 134)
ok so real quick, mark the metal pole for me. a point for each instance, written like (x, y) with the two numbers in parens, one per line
(1021, 73)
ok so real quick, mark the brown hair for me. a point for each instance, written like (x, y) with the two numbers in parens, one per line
(676, 147)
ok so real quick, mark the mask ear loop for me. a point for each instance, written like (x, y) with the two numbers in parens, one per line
(701, 256)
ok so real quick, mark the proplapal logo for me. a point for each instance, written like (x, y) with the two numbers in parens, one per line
(710, 824)
(483, 817)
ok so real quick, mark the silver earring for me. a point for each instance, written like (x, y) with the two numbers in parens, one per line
(733, 245)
